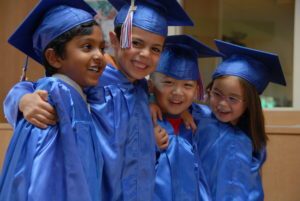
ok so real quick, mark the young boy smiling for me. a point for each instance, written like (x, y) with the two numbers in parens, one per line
(175, 84)
(64, 161)
(119, 103)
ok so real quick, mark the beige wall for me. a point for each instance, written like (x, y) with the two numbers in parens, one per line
(12, 13)
(281, 172)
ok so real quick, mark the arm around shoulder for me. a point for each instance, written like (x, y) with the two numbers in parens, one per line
(11, 102)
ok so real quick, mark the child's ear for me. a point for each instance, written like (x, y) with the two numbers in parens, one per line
(114, 40)
(52, 58)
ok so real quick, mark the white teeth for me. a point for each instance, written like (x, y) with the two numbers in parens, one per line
(93, 68)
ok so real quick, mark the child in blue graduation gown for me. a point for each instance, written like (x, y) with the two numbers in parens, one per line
(119, 103)
(64, 161)
(179, 174)
(232, 137)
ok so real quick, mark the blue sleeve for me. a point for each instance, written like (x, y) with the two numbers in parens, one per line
(45, 164)
(11, 102)
(235, 179)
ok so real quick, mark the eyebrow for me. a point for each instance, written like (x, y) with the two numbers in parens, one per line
(143, 41)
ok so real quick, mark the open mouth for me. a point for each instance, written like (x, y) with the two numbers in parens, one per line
(95, 69)
(176, 102)
(139, 65)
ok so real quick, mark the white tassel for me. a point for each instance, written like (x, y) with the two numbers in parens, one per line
(126, 31)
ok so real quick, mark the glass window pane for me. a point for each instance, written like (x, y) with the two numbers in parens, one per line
(266, 25)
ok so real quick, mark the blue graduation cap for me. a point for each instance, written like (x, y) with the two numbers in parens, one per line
(151, 15)
(179, 58)
(48, 20)
(257, 67)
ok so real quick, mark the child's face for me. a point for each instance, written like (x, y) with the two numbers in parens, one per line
(226, 99)
(83, 61)
(174, 96)
(141, 59)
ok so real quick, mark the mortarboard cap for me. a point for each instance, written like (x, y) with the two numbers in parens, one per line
(48, 20)
(151, 15)
(179, 58)
(257, 67)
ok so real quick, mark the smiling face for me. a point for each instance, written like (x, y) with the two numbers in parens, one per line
(227, 99)
(83, 61)
(173, 96)
(141, 59)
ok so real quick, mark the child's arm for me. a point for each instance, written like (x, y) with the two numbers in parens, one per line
(22, 99)
(11, 102)
(155, 112)
(37, 110)
(161, 137)
(188, 120)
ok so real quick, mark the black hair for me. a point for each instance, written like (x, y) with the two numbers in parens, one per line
(59, 43)
(117, 31)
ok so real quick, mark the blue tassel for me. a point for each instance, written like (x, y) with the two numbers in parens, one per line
(24, 70)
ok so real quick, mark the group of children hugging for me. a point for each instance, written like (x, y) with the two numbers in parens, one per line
(84, 132)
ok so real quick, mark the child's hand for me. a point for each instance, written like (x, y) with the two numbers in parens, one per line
(37, 110)
(188, 121)
(161, 137)
(155, 113)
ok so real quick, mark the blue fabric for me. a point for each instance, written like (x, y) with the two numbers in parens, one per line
(48, 20)
(226, 153)
(257, 67)
(127, 139)
(179, 58)
(122, 119)
(179, 173)
(152, 15)
(11, 101)
(62, 162)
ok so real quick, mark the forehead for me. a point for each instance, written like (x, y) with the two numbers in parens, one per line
(95, 34)
(157, 76)
(228, 84)
(148, 36)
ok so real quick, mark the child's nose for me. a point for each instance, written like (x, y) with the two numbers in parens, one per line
(177, 90)
(98, 56)
(145, 52)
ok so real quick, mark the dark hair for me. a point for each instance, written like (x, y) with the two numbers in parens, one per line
(117, 31)
(59, 43)
(252, 121)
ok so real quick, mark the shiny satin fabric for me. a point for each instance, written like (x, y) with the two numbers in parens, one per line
(179, 174)
(62, 162)
(122, 118)
(226, 152)
(124, 128)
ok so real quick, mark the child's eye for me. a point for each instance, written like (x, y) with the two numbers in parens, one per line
(216, 93)
(87, 47)
(136, 43)
(156, 50)
(167, 82)
(189, 85)
(233, 100)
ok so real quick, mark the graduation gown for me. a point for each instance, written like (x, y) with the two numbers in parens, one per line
(122, 120)
(62, 162)
(231, 167)
(126, 137)
(179, 173)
